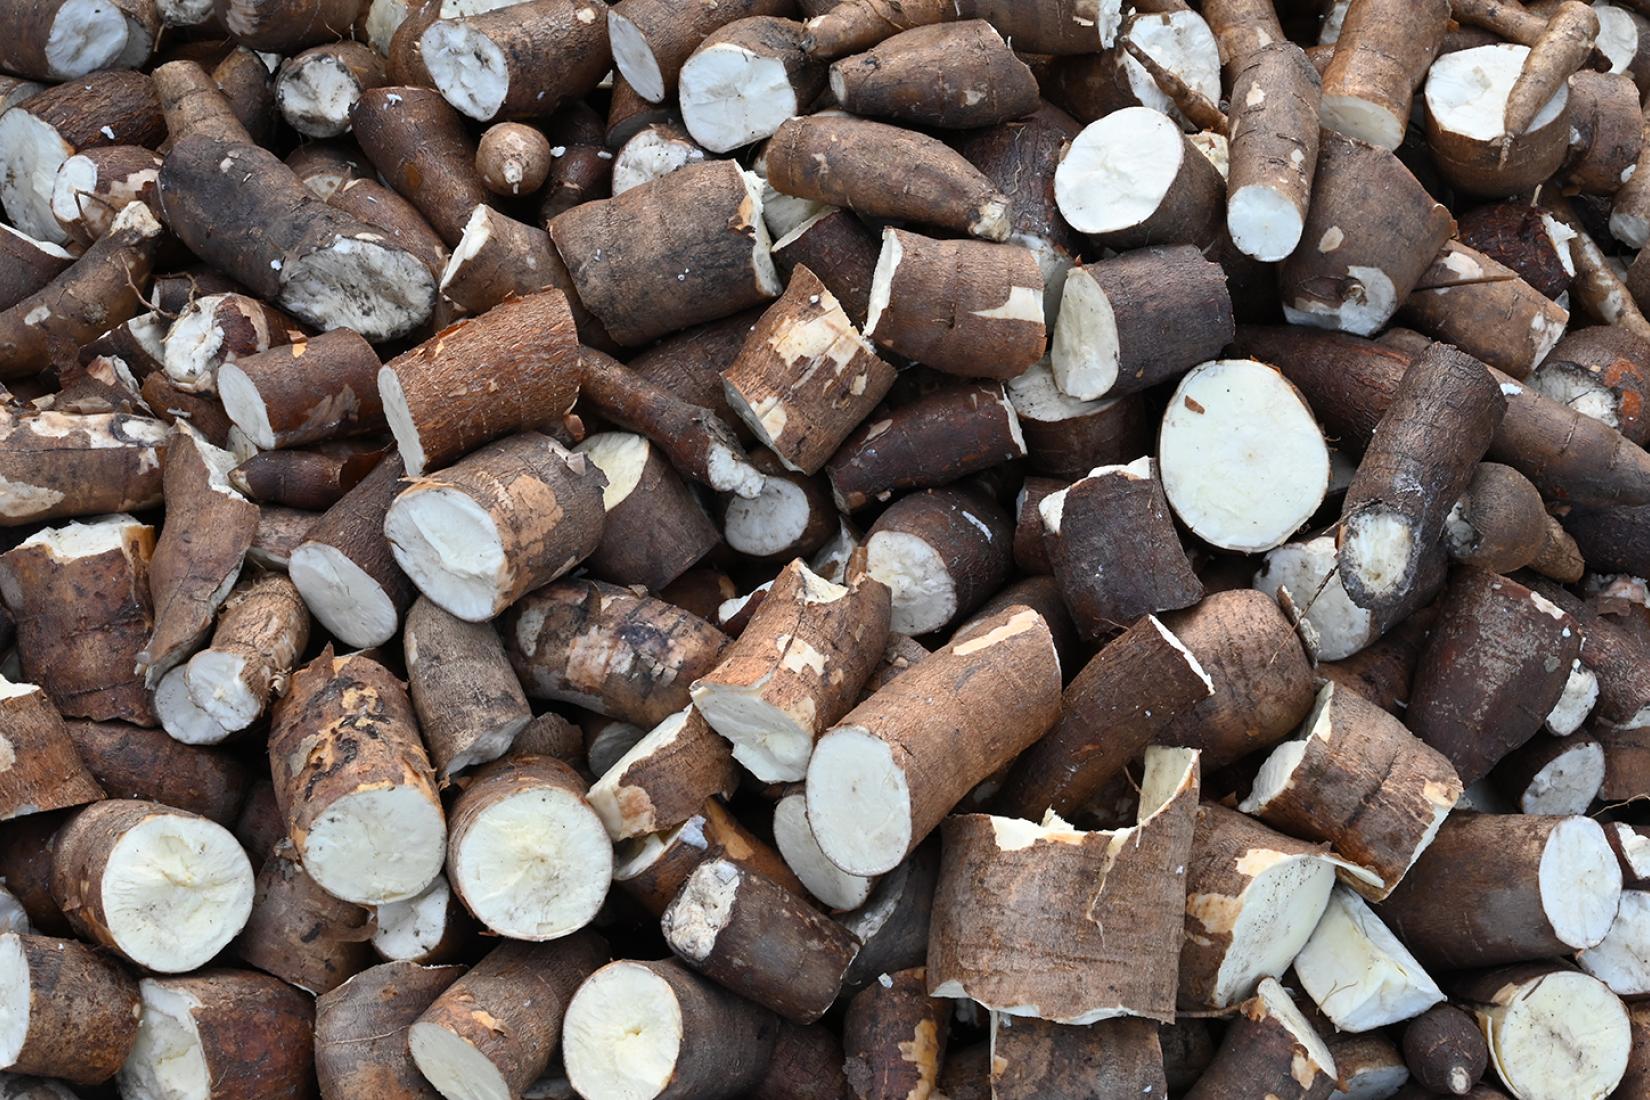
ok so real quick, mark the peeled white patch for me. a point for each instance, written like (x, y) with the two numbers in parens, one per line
(730, 96)
(1576, 388)
(15, 993)
(1466, 91)
(343, 596)
(1281, 1007)
(1580, 882)
(379, 291)
(401, 422)
(923, 590)
(1118, 170)
(1182, 43)
(1309, 571)
(245, 406)
(767, 276)
(168, 1060)
(794, 837)
(1274, 775)
(771, 744)
(376, 845)
(1367, 301)
(315, 95)
(451, 549)
(654, 152)
(1565, 1037)
(383, 19)
(534, 865)
(882, 279)
(456, 1069)
(1363, 120)
(770, 523)
(86, 35)
(634, 58)
(467, 67)
(1085, 352)
(175, 891)
(1243, 462)
(1568, 783)
(622, 1034)
(1357, 971)
(1264, 223)
(411, 929)
(1275, 918)
(31, 151)
(621, 457)
(84, 540)
(858, 802)
(701, 910)
(193, 345)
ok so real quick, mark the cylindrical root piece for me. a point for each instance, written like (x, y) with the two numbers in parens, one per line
(1274, 149)
(941, 553)
(469, 704)
(1369, 1065)
(1603, 371)
(490, 1034)
(444, 398)
(1066, 438)
(797, 667)
(1496, 664)
(361, 1031)
(1271, 1044)
(1132, 178)
(432, 927)
(68, 1011)
(1444, 1050)
(1466, 99)
(527, 854)
(653, 868)
(1241, 455)
(1118, 1059)
(653, 38)
(1515, 326)
(299, 932)
(1112, 710)
(43, 770)
(963, 307)
(353, 781)
(844, 161)
(344, 568)
(1358, 780)
(61, 465)
(1500, 524)
(310, 259)
(1553, 775)
(513, 159)
(419, 144)
(31, 264)
(315, 389)
(1361, 977)
(655, 528)
(805, 377)
(609, 650)
(1423, 456)
(526, 60)
(1128, 323)
(1371, 233)
(745, 80)
(894, 1036)
(1103, 941)
(664, 778)
(1114, 549)
(94, 186)
(163, 888)
(1526, 239)
(857, 25)
(221, 1035)
(315, 90)
(1553, 1033)
(1384, 49)
(981, 82)
(1553, 888)
(1253, 897)
(687, 248)
(263, 628)
(759, 940)
(657, 1031)
(881, 780)
(135, 762)
(79, 595)
(508, 518)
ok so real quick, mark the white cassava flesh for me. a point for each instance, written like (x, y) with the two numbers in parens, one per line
(1357, 971)
(1085, 353)
(786, 216)
(621, 457)
(653, 153)
(86, 35)
(1568, 783)
(343, 596)
(192, 345)
(1618, 35)
(1118, 170)
(175, 891)
(359, 283)
(534, 865)
(1563, 1037)
(1243, 462)
(731, 96)
(377, 845)
(1466, 92)
(453, 1065)
(1308, 570)
(882, 279)
(31, 152)
(245, 406)
(622, 1034)
(634, 58)
(608, 799)
(183, 718)
(1264, 222)
(1182, 43)
(468, 68)
(1577, 388)
(1622, 960)
(412, 928)
(1038, 397)
(316, 94)
(924, 594)
(766, 524)
(168, 1061)
(13, 917)
(451, 548)
(1580, 882)
(826, 881)
(859, 801)
(15, 995)
(701, 909)
(1275, 917)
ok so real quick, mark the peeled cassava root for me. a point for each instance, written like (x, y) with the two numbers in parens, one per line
(802, 549)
